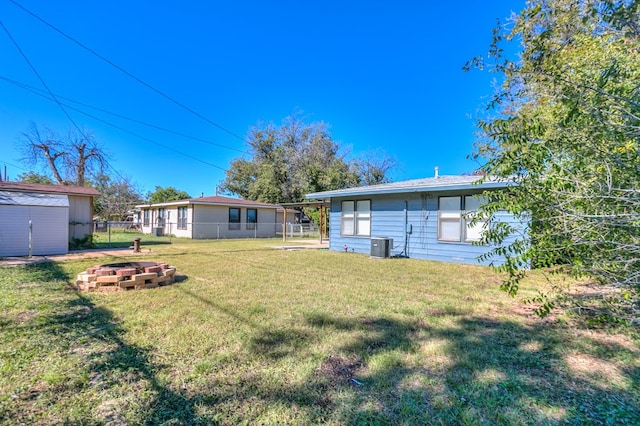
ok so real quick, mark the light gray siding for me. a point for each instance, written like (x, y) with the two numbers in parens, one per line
(213, 222)
(48, 233)
(80, 216)
(393, 215)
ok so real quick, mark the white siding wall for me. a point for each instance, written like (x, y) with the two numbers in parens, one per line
(49, 235)
(80, 216)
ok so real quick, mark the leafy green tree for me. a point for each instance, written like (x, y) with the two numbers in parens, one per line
(163, 195)
(564, 127)
(296, 158)
(33, 177)
(117, 198)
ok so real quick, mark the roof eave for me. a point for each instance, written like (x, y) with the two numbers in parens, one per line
(378, 191)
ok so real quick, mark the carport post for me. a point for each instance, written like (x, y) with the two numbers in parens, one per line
(284, 224)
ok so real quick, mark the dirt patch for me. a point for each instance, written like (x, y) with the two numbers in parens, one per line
(84, 254)
(336, 370)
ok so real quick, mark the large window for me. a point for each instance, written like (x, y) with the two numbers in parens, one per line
(252, 219)
(454, 219)
(146, 217)
(472, 205)
(182, 217)
(356, 218)
(234, 218)
(162, 217)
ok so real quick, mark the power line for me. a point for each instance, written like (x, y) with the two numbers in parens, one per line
(55, 99)
(122, 129)
(39, 92)
(124, 71)
(15, 43)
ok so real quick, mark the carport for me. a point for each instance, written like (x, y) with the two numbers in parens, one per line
(322, 205)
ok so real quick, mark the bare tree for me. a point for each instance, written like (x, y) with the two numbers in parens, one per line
(68, 159)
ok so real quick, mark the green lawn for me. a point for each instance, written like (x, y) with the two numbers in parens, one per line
(255, 335)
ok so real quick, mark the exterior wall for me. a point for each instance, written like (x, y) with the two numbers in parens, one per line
(389, 219)
(80, 216)
(49, 232)
(213, 222)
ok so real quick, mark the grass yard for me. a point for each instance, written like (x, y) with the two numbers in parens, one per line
(253, 335)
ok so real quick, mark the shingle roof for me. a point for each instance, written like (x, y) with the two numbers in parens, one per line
(48, 189)
(441, 183)
(215, 200)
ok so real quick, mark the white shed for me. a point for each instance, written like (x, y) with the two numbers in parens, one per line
(33, 223)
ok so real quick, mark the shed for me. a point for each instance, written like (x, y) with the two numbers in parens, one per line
(57, 213)
(33, 224)
(426, 218)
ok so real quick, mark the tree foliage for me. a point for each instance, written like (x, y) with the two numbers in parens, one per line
(33, 177)
(117, 198)
(70, 159)
(163, 195)
(564, 126)
(296, 158)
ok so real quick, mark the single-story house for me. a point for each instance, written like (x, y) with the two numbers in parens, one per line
(38, 219)
(213, 217)
(423, 218)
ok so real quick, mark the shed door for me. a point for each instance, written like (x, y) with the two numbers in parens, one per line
(49, 231)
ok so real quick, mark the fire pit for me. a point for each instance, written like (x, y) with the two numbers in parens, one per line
(125, 276)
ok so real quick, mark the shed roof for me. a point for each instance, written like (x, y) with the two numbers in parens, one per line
(434, 184)
(48, 189)
(9, 198)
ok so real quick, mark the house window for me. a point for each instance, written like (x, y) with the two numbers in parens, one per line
(234, 218)
(162, 215)
(182, 218)
(454, 219)
(146, 216)
(356, 218)
(472, 205)
(252, 219)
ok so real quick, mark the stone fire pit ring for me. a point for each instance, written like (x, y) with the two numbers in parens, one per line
(126, 276)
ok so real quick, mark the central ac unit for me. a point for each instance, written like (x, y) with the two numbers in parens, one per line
(381, 247)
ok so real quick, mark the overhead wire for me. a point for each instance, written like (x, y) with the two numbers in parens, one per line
(122, 129)
(39, 92)
(129, 74)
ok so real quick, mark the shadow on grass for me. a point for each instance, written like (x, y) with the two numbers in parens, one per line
(445, 368)
(74, 325)
(481, 371)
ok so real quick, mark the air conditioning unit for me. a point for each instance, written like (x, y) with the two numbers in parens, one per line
(158, 231)
(381, 247)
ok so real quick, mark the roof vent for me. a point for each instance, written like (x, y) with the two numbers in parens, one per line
(437, 172)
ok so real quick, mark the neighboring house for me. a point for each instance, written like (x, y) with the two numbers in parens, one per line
(422, 218)
(213, 218)
(42, 219)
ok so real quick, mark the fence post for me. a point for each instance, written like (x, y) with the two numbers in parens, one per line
(109, 232)
(218, 225)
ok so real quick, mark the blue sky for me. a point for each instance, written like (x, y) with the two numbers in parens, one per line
(382, 75)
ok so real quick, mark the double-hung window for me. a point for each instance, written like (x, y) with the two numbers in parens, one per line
(182, 217)
(356, 218)
(252, 219)
(234, 218)
(455, 215)
(146, 217)
(162, 216)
